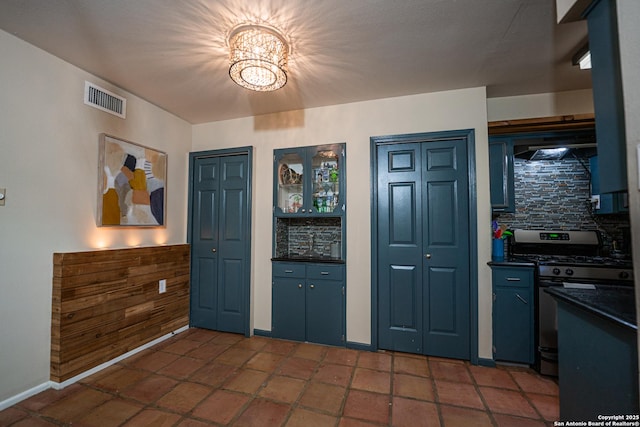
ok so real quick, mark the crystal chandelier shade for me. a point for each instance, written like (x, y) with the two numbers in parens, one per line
(258, 57)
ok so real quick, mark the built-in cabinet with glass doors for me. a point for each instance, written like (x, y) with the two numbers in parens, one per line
(308, 281)
(309, 181)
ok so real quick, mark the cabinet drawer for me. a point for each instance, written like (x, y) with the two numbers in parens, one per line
(288, 270)
(325, 272)
(513, 277)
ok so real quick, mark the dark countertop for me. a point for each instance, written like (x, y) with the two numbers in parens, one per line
(512, 261)
(615, 303)
(324, 260)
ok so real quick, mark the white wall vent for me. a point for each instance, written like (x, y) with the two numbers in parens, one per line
(102, 99)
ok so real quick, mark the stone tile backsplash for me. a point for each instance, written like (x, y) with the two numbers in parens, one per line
(295, 236)
(555, 194)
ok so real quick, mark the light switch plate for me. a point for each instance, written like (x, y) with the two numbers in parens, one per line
(3, 195)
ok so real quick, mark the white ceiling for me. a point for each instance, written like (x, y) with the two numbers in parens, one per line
(173, 53)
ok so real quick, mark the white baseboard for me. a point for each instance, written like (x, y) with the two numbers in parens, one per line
(24, 395)
(59, 386)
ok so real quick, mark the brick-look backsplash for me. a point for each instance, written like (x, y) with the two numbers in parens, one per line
(555, 195)
(293, 236)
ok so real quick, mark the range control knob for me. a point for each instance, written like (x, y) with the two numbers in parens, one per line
(624, 274)
(556, 271)
(568, 272)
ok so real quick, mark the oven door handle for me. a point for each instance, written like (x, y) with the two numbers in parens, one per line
(548, 284)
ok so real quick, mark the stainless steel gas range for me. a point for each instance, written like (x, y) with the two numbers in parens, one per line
(564, 258)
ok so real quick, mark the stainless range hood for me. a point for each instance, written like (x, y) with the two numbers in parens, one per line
(556, 147)
(554, 152)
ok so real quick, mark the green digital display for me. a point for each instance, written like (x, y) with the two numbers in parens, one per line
(554, 236)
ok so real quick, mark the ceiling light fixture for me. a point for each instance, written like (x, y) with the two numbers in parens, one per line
(258, 57)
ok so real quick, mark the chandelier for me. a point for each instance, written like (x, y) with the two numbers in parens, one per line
(258, 57)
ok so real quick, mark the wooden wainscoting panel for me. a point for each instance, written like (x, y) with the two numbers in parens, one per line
(106, 303)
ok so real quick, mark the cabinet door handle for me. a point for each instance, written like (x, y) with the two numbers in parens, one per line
(288, 271)
(324, 273)
(299, 286)
(214, 250)
(303, 210)
(311, 286)
(521, 299)
(513, 279)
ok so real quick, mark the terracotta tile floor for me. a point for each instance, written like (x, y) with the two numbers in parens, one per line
(204, 378)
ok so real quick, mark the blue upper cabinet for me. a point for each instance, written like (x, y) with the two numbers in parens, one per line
(309, 181)
(501, 174)
(607, 95)
(610, 203)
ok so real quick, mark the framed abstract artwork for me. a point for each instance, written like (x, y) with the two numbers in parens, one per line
(131, 184)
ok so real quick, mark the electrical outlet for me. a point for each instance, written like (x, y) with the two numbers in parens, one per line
(595, 201)
(3, 195)
(162, 286)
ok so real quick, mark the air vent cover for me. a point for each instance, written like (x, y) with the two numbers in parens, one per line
(102, 99)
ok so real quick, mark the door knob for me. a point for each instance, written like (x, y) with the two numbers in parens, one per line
(427, 256)
(213, 250)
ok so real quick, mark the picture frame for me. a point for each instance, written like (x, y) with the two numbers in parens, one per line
(131, 184)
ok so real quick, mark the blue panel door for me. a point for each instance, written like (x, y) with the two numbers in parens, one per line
(445, 214)
(423, 248)
(400, 248)
(204, 255)
(219, 238)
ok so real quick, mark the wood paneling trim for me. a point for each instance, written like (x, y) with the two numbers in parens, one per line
(106, 303)
(542, 124)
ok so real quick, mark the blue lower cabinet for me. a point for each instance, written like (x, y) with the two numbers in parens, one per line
(598, 366)
(288, 308)
(513, 314)
(324, 312)
(310, 307)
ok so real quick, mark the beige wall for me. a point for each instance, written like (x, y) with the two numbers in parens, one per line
(628, 18)
(540, 105)
(48, 164)
(355, 124)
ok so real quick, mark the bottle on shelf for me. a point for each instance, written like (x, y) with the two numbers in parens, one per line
(333, 174)
(330, 200)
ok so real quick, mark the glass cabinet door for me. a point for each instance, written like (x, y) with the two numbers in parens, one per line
(290, 189)
(325, 183)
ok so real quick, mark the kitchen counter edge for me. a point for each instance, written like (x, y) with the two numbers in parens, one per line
(512, 262)
(309, 260)
(615, 303)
